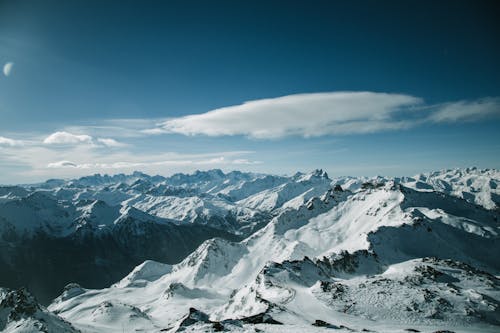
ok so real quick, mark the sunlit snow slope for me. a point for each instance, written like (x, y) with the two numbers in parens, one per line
(388, 255)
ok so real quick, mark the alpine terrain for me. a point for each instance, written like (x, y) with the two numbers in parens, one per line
(245, 252)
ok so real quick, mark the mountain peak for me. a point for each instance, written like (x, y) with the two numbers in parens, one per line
(317, 174)
(320, 173)
(20, 312)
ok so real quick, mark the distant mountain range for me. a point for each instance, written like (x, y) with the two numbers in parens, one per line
(243, 251)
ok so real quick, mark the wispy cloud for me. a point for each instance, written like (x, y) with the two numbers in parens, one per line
(466, 110)
(212, 162)
(62, 164)
(66, 138)
(117, 128)
(110, 142)
(9, 142)
(98, 147)
(320, 114)
(302, 115)
(45, 161)
(244, 161)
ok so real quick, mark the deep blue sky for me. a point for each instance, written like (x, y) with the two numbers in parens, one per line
(79, 63)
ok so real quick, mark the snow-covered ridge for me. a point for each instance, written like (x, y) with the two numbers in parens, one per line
(343, 259)
(480, 186)
(206, 194)
(20, 312)
(316, 251)
(237, 202)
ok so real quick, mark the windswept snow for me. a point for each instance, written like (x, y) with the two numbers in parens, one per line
(350, 254)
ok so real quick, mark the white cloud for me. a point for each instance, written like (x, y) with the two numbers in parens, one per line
(244, 161)
(114, 165)
(176, 160)
(62, 164)
(67, 138)
(36, 162)
(303, 114)
(76, 151)
(319, 114)
(7, 68)
(9, 142)
(466, 110)
(307, 115)
(117, 128)
(153, 131)
(110, 142)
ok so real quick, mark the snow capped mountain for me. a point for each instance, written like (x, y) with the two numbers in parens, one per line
(11, 192)
(204, 209)
(148, 271)
(98, 179)
(293, 193)
(95, 214)
(380, 254)
(35, 212)
(88, 241)
(383, 258)
(237, 202)
(472, 184)
(20, 312)
(211, 181)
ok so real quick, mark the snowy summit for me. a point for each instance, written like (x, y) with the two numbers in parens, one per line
(297, 253)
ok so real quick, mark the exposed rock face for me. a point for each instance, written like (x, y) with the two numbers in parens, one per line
(197, 317)
(46, 264)
(382, 257)
(20, 312)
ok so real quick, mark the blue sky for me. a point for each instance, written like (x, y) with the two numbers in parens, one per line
(357, 88)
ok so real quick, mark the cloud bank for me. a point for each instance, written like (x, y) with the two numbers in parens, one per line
(79, 150)
(36, 161)
(319, 114)
(212, 162)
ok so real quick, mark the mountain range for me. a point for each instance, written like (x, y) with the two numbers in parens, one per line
(245, 252)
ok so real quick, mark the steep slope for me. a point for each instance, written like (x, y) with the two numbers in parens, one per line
(200, 198)
(343, 260)
(211, 181)
(206, 209)
(20, 313)
(472, 184)
(12, 192)
(293, 193)
(37, 212)
(313, 245)
(90, 243)
(236, 202)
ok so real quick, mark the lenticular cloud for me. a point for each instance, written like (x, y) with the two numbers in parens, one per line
(303, 114)
(318, 114)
